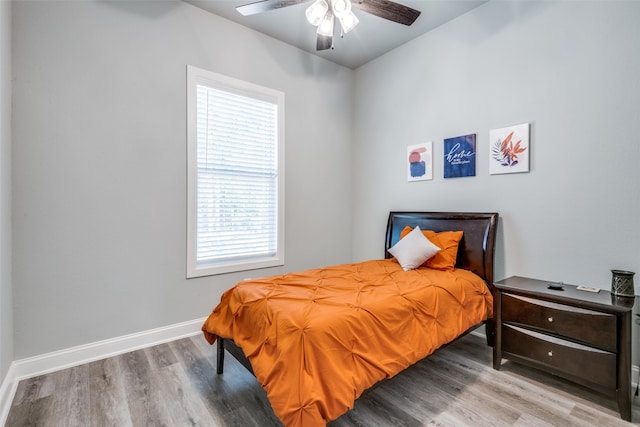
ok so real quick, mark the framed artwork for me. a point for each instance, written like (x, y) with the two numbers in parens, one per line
(460, 156)
(509, 152)
(420, 162)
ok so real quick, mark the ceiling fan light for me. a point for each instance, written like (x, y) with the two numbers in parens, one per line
(349, 22)
(341, 8)
(326, 26)
(317, 11)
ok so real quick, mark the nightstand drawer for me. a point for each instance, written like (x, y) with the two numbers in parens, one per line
(590, 327)
(565, 356)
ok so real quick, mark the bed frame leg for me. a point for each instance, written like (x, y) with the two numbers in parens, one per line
(490, 331)
(220, 355)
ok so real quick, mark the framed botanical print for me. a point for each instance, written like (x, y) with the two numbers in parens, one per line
(509, 149)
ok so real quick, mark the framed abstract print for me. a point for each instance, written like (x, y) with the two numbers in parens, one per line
(420, 162)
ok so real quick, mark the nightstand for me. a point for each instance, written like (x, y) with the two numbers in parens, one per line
(582, 336)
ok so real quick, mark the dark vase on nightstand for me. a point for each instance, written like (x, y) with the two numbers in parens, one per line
(622, 283)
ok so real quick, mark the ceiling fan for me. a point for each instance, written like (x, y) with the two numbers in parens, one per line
(323, 13)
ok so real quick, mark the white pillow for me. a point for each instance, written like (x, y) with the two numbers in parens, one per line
(413, 250)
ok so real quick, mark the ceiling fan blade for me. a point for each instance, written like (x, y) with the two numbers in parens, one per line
(324, 42)
(266, 5)
(388, 10)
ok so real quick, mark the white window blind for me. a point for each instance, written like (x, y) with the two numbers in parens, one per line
(237, 201)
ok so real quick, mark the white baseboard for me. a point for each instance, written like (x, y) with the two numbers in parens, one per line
(74, 356)
(7, 391)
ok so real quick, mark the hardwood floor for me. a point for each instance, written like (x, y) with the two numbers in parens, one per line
(175, 384)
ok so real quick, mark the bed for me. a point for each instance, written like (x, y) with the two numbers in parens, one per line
(315, 340)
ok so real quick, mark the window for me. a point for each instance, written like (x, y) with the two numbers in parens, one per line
(235, 179)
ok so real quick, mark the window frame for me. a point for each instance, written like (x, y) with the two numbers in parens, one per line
(197, 76)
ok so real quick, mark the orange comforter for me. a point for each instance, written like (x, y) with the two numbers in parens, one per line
(317, 339)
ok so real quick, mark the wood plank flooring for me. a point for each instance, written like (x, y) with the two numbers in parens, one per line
(175, 384)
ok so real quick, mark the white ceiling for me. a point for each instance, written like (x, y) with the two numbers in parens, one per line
(373, 37)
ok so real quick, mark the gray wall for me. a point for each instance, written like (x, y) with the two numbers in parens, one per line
(6, 302)
(571, 69)
(100, 168)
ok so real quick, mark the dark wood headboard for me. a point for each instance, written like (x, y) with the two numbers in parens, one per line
(477, 247)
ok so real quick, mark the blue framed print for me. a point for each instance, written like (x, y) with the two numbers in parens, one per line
(460, 156)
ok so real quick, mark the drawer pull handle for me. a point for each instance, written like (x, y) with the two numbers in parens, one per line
(550, 319)
(550, 354)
